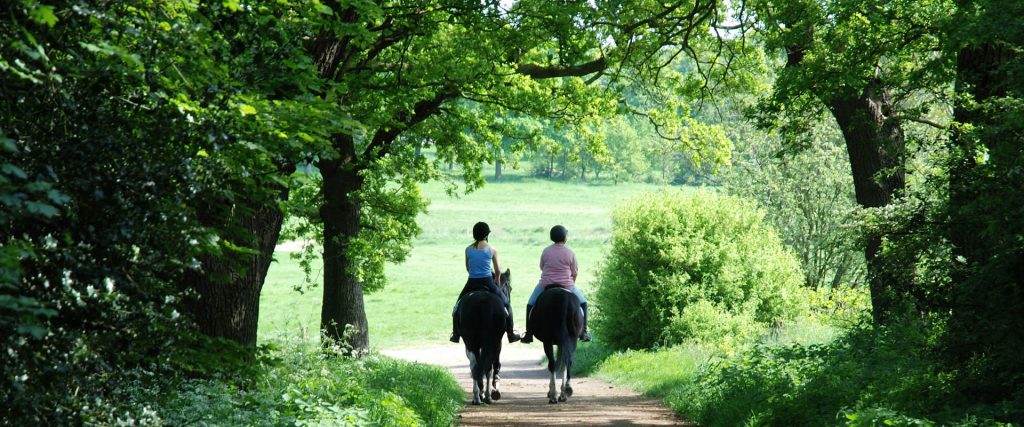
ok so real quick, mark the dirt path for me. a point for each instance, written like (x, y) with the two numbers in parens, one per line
(524, 388)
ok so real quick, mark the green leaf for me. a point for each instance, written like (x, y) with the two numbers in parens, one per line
(8, 145)
(34, 330)
(43, 209)
(9, 169)
(44, 15)
(247, 110)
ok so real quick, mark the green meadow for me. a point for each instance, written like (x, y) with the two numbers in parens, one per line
(414, 310)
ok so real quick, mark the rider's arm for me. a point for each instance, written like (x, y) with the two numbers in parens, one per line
(465, 255)
(497, 269)
(573, 268)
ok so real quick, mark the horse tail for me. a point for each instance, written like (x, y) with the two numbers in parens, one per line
(574, 321)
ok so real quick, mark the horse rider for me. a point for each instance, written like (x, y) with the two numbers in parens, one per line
(480, 257)
(558, 267)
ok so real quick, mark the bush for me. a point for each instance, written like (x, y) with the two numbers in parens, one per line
(870, 376)
(693, 265)
(304, 387)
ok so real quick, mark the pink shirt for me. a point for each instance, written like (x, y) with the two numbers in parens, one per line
(557, 265)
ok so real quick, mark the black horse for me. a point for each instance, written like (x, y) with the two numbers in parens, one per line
(482, 320)
(557, 320)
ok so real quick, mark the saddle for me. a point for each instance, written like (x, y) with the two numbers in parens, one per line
(478, 290)
(555, 286)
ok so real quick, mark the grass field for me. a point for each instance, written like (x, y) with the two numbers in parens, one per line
(415, 308)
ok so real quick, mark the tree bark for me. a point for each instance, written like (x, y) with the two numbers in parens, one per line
(497, 169)
(341, 215)
(228, 287)
(875, 144)
(977, 68)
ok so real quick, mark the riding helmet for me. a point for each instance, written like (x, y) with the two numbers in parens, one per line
(481, 231)
(558, 233)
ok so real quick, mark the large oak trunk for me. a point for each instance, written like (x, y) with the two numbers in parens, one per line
(875, 145)
(229, 286)
(341, 210)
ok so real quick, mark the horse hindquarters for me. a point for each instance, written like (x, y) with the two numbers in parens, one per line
(481, 325)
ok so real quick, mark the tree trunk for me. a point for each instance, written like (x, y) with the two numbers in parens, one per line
(976, 75)
(229, 288)
(497, 169)
(875, 145)
(341, 211)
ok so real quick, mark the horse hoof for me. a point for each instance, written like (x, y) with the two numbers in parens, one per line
(568, 392)
(488, 400)
(476, 401)
(552, 400)
(561, 398)
(496, 395)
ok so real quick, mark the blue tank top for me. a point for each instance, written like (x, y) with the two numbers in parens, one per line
(479, 262)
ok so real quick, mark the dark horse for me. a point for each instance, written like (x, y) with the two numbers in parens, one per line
(482, 317)
(557, 320)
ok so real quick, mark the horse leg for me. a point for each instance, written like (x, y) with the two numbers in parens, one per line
(487, 385)
(562, 371)
(495, 393)
(567, 351)
(474, 372)
(549, 352)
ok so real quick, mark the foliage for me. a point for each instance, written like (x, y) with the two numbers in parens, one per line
(627, 148)
(127, 127)
(302, 387)
(693, 266)
(985, 211)
(814, 385)
(842, 306)
(807, 196)
(843, 47)
(448, 76)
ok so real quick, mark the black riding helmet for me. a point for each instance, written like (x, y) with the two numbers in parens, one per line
(481, 231)
(558, 233)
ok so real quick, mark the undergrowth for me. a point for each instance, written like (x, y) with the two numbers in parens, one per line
(805, 374)
(303, 386)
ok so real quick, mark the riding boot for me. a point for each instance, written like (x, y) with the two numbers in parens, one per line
(528, 336)
(455, 329)
(512, 335)
(586, 334)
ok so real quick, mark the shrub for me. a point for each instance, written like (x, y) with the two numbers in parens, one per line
(870, 376)
(693, 265)
(303, 387)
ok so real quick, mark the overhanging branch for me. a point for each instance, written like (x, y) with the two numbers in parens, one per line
(542, 72)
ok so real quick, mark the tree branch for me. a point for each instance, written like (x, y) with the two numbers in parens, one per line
(923, 121)
(422, 110)
(542, 72)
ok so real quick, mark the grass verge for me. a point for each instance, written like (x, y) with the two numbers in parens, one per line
(806, 374)
(301, 386)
